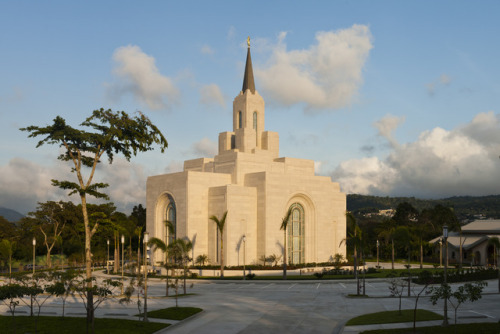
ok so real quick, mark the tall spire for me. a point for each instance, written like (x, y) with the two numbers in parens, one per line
(248, 82)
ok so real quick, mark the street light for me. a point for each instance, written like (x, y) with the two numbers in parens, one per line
(378, 265)
(244, 255)
(123, 242)
(107, 262)
(146, 238)
(440, 253)
(445, 240)
(34, 244)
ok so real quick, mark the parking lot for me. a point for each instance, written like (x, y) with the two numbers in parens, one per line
(277, 306)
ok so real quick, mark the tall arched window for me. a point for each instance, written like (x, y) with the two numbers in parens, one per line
(171, 218)
(240, 120)
(295, 242)
(255, 120)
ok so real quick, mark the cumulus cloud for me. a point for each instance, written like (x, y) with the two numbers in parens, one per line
(138, 75)
(440, 163)
(212, 95)
(24, 183)
(327, 75)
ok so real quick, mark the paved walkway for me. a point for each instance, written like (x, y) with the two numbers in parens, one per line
(278, 306)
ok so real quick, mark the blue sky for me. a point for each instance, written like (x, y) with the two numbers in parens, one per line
(388, 97)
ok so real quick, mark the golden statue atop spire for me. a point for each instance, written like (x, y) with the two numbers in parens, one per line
(248, 41)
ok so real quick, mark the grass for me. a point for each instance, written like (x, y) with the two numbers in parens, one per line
(174, 313)
(389, 317)
(74, 325)
(476, 328)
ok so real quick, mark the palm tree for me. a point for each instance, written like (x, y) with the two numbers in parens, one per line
(7, 249)
(496, 243)
(161, 245)
(180, 249)
(284, 224)
(220, 226)
(354, 239)
(386, 231)
(201, 259)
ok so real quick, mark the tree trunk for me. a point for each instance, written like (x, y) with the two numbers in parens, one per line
(421, 255)
(221, 254)
(49, 260)
(392, 240)
(88, 265)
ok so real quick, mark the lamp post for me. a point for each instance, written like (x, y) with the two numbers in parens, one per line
(34, 244)
(244, 255)
(146, 238)
(107, 262)
(378, 244)
(440, 253)
(123, 242)
(445, 240)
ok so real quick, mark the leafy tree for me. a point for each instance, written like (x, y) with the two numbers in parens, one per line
(7, 229)
(63, 285)
(467, 292)
(405, 214)
(51, 218)
(402, 236)
(386, 232)
(396, 288)
(220, 227)
(7, 249)
(10, 294)
(109, 133)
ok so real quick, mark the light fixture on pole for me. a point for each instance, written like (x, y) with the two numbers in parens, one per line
(34, 244)
(378, 244)
(123, 242)
(146, 239)
(107, 262)
(244, 255)
(440, 253)
(445, 240)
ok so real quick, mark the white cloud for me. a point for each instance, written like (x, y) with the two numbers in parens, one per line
(207, 50)
(212, 95)
(138, 75)
(24, 183)
(327, 75)
(463, 161)
(204, 148)
(386, 127)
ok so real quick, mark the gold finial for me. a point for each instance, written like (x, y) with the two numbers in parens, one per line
(248, 41)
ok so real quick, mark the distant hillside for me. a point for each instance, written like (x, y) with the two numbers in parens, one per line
(466, 207)
(11, 215)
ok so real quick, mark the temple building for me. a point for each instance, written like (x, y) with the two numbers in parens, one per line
(249, 180)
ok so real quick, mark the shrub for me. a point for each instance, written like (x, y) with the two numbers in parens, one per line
(250, 276)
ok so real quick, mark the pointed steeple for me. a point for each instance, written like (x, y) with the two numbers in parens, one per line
(248, 82)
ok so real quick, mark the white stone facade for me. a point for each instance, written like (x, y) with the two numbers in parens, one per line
(249, 180)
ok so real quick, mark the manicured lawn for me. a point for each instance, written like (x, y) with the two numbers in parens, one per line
(73, 325)
(476, 328)
(388, 317)
(174, 313)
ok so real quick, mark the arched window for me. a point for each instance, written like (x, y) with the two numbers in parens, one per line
(255, 120)
(240, 120)
(295, 242)
(170, 218)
